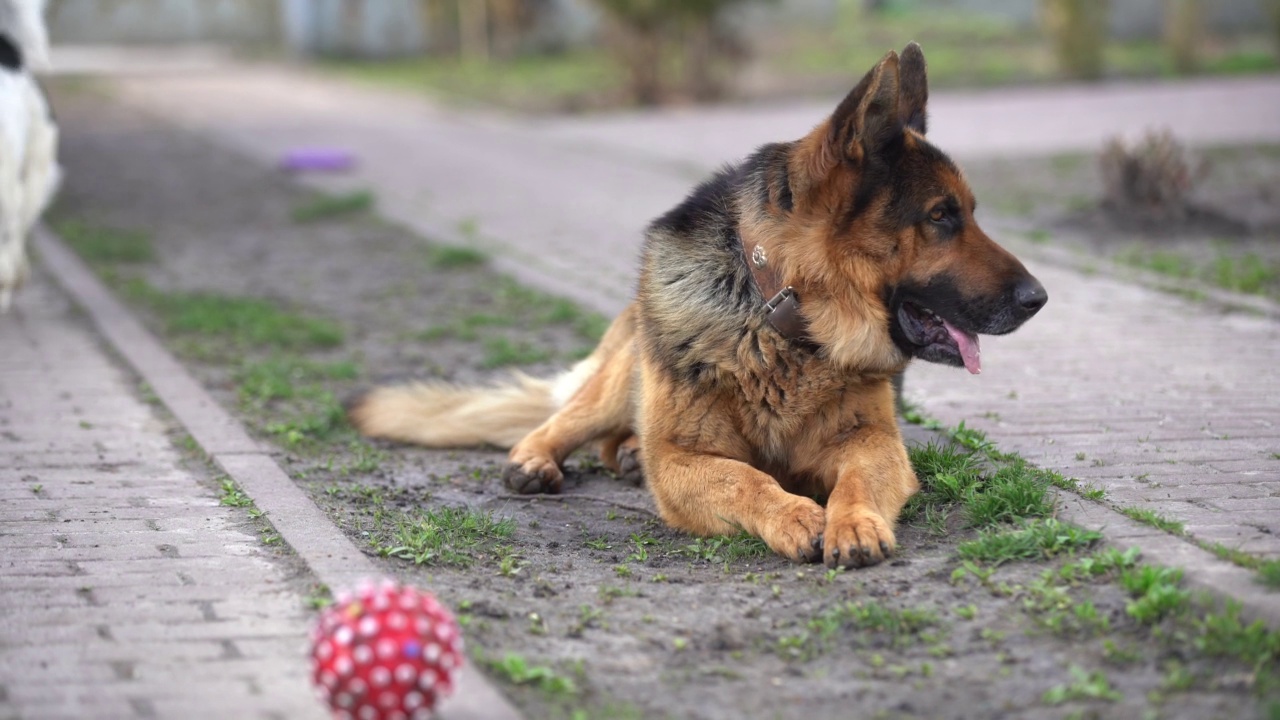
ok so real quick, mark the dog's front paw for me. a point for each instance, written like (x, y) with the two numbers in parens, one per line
(857, 538)
(533, 475)
(630, 470)
(796, 530)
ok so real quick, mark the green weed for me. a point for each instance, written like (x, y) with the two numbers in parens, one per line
(235, 323)
(1083, 686)
(453, 257)
(501, 352)
(1017, 490)
(1036, 539)
(99, 245)
(1154, 519)
(232, 495)
(323, 421)
(328, 207)
(284, 378)
(444, 536)
(1155, 591)
(514, 668)
(1269, 573)
(726, 548)
(898, 626)
(1224, 635)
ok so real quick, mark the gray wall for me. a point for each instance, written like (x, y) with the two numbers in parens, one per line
(164, 21)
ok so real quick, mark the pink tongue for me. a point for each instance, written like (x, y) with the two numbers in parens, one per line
(968, 345)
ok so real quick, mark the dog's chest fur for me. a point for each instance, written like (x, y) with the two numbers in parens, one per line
(703, 323)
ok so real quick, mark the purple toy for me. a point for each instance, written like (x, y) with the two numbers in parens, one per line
(317, 160)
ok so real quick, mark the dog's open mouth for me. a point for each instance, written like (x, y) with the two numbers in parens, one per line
(939, 340)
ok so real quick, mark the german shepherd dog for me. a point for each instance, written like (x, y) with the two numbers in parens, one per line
(753, 371)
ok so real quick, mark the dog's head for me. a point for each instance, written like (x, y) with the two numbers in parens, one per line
(885, 251)
(22, 22)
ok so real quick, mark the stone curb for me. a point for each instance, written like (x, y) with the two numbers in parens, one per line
(323, 547)
(1202, 570)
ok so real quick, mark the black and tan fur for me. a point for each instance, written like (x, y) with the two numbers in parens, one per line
(735, 425)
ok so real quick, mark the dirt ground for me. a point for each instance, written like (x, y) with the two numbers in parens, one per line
(584, 604)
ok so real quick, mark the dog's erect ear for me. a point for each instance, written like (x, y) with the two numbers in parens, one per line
(913, 88)
(868, 118)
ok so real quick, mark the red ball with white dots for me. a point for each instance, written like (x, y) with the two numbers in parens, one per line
(386, 652)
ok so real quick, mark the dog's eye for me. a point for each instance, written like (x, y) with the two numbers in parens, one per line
(938, 215)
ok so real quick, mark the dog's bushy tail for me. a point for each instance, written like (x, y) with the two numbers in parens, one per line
(441, 415)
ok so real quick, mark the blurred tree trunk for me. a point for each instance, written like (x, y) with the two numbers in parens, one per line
(507, 25)
(442, 23)
(700, 77)
(473, 29)
(1183, 25)
(1078, 30)
(641, 49)
(1273, 7)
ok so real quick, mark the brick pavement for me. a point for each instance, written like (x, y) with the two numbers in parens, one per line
(126, 589)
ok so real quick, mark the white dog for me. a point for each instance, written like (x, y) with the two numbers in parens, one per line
(29, 171)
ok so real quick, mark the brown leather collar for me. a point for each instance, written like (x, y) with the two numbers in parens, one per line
(781, 302)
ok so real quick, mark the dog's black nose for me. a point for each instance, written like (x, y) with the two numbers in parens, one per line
(1030, 295)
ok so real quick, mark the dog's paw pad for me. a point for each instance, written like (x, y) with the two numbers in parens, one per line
(533, 476)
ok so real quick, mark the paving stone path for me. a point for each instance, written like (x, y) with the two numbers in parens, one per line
(126, 589)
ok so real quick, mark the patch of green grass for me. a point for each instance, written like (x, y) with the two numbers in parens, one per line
(954, 476)
(1269, 573)
(443, 536)
(1245, 274)
(515, 669)
(236, 323)
(511, 305)
(329, 207)
(1036, 539)
(1159, 261)
(1248, 273)
(1242, 62)
(99, 245)
(539, 82)
(898, 626)
(1083, 686)
(322, 420)
(453, 257)
(1225, 635)
(1150, 517)
(284, 378)
(1017, 490)
(1155, 591)
(1099, 564)
(1039, 236)
(501, 352)
(726, 548)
